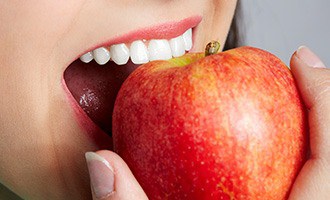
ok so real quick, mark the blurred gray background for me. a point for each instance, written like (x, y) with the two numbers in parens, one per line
(281, 26)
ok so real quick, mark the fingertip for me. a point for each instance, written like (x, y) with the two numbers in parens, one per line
(115, 160)
(308, 71)
(125, 185)
(298, 66)
(309, 57)
(101, 175)
(304, 59)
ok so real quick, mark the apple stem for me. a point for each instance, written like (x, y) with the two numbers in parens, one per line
(212, 48)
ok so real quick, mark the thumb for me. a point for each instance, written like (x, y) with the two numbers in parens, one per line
(313, 80)
(110, 177)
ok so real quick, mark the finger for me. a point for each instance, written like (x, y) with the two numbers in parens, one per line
(111, 179)
(312, 181)
(313, 80)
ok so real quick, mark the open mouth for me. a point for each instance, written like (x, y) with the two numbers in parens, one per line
(94, 79)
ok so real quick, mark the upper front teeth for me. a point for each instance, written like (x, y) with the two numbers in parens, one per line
(87, 57)
(119, 53)
(101, 55)
(139, 52)
(187, 39)
(178, 46)
(157, 49)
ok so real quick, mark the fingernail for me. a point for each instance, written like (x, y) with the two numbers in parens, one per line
(101, 175)
(309, 58)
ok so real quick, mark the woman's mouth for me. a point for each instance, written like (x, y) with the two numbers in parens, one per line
(141, 51)
(93, 80)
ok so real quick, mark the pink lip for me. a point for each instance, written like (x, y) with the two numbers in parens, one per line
(161, 31)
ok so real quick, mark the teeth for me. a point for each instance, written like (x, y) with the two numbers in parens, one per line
(177, 46)
(87, 57)
(139, 52)
(101, 55)
(158, 49)
(187, 38)
(119, 54)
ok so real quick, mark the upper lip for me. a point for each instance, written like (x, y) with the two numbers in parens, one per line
(165, 30)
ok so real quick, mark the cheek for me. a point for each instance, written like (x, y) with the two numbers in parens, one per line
(36, 23)
(216, 22)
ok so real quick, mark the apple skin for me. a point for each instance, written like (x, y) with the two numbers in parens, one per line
(226, 126)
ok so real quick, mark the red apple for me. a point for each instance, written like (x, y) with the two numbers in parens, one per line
(226, 126)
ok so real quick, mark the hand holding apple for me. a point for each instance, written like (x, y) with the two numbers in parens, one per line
(225, 126)
(312, 76)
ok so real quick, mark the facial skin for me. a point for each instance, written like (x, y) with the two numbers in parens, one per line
(41, 142)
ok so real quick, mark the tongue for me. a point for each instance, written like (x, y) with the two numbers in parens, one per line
(95, 88)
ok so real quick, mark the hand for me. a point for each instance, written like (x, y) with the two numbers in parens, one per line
(313, 80)
(111, 179)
